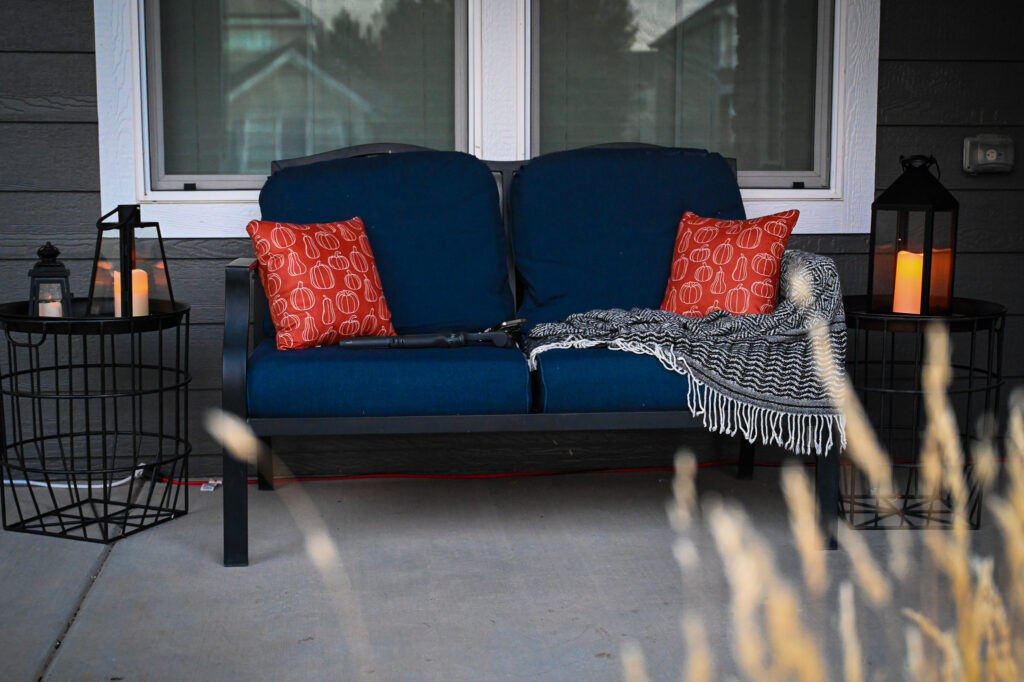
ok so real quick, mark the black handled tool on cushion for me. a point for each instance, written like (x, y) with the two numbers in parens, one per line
(504, 335)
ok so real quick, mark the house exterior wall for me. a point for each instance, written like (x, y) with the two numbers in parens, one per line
(947, 70)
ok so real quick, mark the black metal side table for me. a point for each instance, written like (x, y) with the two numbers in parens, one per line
(885, 357)
(94, 421)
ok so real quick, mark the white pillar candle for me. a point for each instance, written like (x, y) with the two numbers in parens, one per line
(51, 309)
(140, 293)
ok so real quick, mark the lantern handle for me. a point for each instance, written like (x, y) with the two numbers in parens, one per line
(919, 160)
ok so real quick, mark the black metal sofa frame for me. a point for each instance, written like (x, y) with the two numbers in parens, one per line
(244, 307)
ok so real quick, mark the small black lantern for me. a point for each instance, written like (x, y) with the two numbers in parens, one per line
(913, 243)
(49, 292)
(129, 269)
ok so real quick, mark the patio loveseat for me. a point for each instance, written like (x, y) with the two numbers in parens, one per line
(464, 244)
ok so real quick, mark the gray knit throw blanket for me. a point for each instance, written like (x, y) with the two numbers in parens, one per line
(755, 375)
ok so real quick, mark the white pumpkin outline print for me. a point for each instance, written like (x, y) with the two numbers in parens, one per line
(312, 250)
(282, 236)
(347, 301)
(703, 273)
(321, 277)
(261, 246)
(749, 238)
(327, 241)
(719, 286)
(679, 268)
(723, 253)
(763, 289)
(275, 262)
(336, 261)
(739, 271)
(706, 234)
(296, 266)
(738, 299)
(327, 312)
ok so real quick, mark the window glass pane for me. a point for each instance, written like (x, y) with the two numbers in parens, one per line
(734, 76)
(245, 82)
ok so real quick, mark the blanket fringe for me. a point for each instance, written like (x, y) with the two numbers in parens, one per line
(803, 434)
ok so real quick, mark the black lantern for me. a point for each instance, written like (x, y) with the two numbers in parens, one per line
(913, 243)
(129, 269)
(49, 293)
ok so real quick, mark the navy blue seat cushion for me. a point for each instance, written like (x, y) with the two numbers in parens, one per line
(602, 380)
(434, 224)
(595, 228)
(328, 381)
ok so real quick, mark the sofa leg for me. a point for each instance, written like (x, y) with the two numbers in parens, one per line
(236, 512)
(265, 465)
(745, 464)
(827, 484)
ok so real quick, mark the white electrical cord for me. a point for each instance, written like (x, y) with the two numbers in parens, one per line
(78, 486)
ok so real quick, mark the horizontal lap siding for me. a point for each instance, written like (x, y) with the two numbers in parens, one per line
(49, 175)
(947, 70)
(950, 69)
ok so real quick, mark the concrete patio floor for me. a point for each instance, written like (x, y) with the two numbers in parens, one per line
(488, 579)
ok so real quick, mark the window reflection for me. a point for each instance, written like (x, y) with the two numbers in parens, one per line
(734, 76)
(248, 81)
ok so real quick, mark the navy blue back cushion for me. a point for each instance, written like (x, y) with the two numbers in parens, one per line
(434, 224)
(595, 228)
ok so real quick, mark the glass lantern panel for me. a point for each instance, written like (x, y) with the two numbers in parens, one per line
(107, 265)
(941, 282)
(49, 291)
(149, 259)
(884, 273)
(50, 300)
(148, 279)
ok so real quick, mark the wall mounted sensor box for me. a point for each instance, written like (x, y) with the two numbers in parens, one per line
(987, 153)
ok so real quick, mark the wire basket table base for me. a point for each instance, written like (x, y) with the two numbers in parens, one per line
(94, 422)
(885, 361)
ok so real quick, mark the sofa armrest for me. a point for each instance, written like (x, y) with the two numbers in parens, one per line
(238, 278)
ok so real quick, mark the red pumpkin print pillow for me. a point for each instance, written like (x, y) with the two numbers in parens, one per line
(728, 265)
(321, 282)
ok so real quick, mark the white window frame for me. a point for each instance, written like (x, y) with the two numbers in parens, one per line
(498, 123)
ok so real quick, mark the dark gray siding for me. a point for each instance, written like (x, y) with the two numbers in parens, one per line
(948, 69)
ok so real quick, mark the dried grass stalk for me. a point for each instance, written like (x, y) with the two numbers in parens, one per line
(700, 664)
(1009, 512)
(235, 436)
(634, 669)
(862, 446)
(745, 568)
(942, 429)
(869, 575)
(750, 569)
(916, 666)
(1012, 529)
(986, 459)
(853, 664)
(899, 554)
(951, 551)
(952, 668)
(803, 522)
(684, 491)
(990, 615)
(795, 649)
